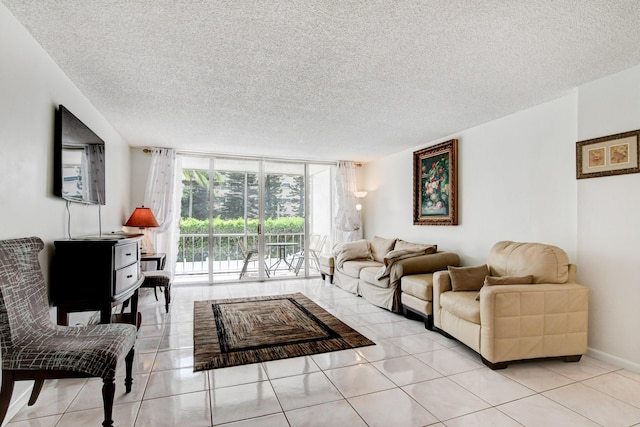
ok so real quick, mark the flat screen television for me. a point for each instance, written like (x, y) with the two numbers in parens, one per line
(79, 172)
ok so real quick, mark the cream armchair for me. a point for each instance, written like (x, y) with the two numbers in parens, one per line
(505, 321)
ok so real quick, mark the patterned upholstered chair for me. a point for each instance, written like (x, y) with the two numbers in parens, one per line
(34, 348)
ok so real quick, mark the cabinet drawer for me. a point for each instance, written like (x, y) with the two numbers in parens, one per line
(125, 255)
(125, 278)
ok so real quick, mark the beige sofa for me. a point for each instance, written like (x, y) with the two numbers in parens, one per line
(505, 321)
(373, 269)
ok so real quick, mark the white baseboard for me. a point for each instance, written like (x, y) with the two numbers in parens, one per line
(614, 360)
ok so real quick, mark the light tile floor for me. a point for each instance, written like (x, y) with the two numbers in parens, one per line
(412, 377)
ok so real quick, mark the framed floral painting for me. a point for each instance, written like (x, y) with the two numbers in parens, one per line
(435, 188)
(610, 155)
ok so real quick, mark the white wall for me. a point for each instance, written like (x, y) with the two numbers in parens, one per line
(516, 181)
(609, 224)
(31, 87)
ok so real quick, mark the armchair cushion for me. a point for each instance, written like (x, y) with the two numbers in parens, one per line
(468, 278)
(462, 304)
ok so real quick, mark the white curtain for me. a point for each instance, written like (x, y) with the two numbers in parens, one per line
(347, 223)
(161, 195)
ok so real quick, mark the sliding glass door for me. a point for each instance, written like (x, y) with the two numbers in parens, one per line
(248, 219)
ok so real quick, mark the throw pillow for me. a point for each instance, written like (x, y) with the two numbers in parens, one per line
(468, 278)
(415, 247)
(353, 250)
(380, 247)
(508, 280)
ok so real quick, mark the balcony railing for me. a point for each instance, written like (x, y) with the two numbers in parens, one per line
(227, 251)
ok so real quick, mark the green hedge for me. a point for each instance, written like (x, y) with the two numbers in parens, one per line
(197, 248)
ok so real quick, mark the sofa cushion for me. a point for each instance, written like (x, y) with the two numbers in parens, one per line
(418, 285)
(380, 247)
(368, 274)
(360, 249)
(415, 247)
(462, 305)
(353, 268)
(467, 278)
(547, 263)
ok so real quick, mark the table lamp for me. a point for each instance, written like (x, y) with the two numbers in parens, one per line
(142, 218)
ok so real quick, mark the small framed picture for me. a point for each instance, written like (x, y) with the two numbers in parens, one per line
(435, 186)
(609, 155)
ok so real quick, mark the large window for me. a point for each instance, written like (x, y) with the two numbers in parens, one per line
(247, 219)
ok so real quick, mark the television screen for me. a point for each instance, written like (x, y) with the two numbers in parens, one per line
(80, 161)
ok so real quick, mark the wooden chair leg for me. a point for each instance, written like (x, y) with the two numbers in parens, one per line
(167, 296)
(5, 393)
(108, 393)
(37, 387)
(128, 361)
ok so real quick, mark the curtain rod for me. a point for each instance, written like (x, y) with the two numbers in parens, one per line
(231, 156)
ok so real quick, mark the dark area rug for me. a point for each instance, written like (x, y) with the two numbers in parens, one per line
(238, 331)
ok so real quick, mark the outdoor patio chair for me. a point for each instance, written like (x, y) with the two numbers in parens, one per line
(250, 255)
(316, 244)
(34, 348)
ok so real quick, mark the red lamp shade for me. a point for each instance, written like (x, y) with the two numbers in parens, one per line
(142, 218)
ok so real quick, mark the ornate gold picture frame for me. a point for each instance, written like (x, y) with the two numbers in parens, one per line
(435, 184)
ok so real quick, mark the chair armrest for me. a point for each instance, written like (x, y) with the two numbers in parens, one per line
(531, 321)
(441, 284)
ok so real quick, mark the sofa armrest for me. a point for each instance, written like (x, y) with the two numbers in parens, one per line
(441, 284)
(427, 263)
(531, 321)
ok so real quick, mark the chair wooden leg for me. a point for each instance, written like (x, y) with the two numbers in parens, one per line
(5, 393)
(128, 361)
(167, 296)
(108, 393)
(35, 392)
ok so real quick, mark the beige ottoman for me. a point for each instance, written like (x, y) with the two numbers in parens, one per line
(417, 297)
(326, 267)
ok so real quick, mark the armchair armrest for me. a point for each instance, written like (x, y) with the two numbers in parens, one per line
(531, 321)
(441, 284)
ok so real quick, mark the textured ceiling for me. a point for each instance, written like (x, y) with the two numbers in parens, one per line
(325, 80)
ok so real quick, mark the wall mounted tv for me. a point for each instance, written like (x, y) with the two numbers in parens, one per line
(79, 161)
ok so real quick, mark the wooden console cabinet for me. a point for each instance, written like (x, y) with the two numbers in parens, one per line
(96, 273)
